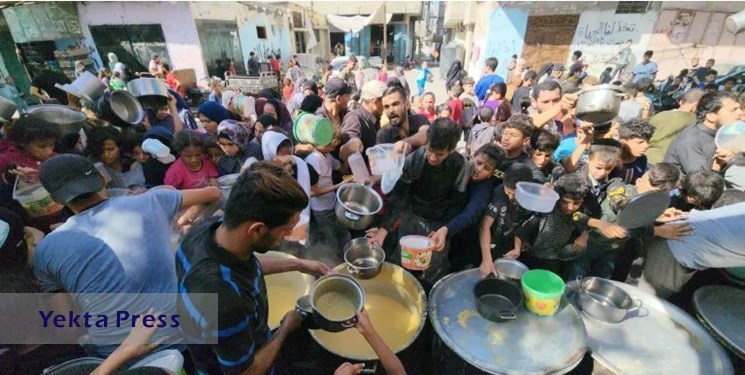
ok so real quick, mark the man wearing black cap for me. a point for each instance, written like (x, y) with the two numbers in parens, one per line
(114, 246)
(337, 94)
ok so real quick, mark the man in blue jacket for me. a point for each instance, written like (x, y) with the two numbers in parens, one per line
(490, 77)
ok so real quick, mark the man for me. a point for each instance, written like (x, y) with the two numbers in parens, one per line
(428, 106)
(694, 148)
(253, 65)
(337, 95)
(113, 246)
(557, 71)
(529, 80)
(668, 124)
(729, 84)
(623, 58)
(699, 74)
(364, 122)
(216, 93)
(221, 257)
(275, 64)
(43, 86)
(403, 125)
(490, 77)
(645, 69)
(573, 81)
(347, 74)
(549, 104)
(429, 193)
(154, 67)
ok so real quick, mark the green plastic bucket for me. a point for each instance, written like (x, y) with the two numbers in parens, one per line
(316, 130)
(543, 291)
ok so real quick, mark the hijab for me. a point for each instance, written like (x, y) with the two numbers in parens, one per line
(296, 100)
(455, 74)
(270, 141)
(236, 131)
(283, 115)
(213, 111)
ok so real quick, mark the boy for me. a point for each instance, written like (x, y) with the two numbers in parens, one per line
(456, 105)
(483, 132)
(468, 94)
(496, 234)
(524, 90)
(542, 152)
(634, 135)
(443, 111)
(515, 138)
(325, 232)
(422, 77)
(711, 75)
(540, 240)
(699, 191)
(470, 107)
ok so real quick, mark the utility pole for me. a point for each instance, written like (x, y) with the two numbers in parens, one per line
(385, 33)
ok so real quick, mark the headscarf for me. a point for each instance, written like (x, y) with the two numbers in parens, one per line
(284, 117)
(269, 144)
(236, 131)
(180, 102)
(213, 111)
(296, 100)
(401, 78)
(455, 74)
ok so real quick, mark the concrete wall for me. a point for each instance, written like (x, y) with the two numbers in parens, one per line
(600, 34)
(361, 7)
(175, 18)
(502, 38)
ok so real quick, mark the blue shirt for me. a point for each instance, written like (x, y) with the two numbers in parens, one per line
(642, 70)
(479, 195)
(422, 76)
(566, 148)
(484, 83)
(122, 245)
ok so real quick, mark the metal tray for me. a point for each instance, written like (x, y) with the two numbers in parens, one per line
(659, 339)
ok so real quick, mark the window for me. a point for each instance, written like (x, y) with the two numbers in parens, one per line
(261, 32)
(297, 20)
(398, 17)
(300, 41)
(631, 7)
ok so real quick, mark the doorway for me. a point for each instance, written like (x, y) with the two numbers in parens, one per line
(220, 42)
(336, 43)
(548, 39)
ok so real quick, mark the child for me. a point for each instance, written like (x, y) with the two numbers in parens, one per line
(107, 145)
(699, 191)
(232, 137)
(540, 240)
(193, 169)
(287, 89)
(542, 152)
(634, 135)
(416, 103)
(105, 76)
(116, 82)
(422, 77)
(496, 100)
(325, 231)
(455, 104)
(529, 78)
(212, 148)
(484, 132)
(443, 110)
(496, 234)
(470, 106)
(515, 138)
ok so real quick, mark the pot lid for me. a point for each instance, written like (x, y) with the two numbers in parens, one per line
(643, 209)
(529, 344)
(714, 304)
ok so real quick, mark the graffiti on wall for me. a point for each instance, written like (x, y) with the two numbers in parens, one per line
(604, 32)
(505, 38)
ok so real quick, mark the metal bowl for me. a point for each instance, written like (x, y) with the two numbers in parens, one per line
(510, 269)
(69, 120)
(345, 286)
(125, 107)
(598, 104)
(147, 87)
(363, 259)
(604, 301)
(357, 206)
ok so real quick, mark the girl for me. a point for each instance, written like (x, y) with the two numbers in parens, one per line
(287, 89)
(210, 115)
(105, 145)
(496, 100)
(277, 147)
(116, 82)
(383, 74)
(231, 68)
(232, 137)
(193, 169)
(104, 76)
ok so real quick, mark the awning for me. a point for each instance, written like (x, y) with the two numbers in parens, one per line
(354, 24)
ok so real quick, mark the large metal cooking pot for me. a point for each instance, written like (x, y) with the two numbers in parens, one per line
(125, 108)
(7, 110)
(284, 289)
(69, 120)
(397, 307)
(357, 205)
(364, 259)
(87, 87)
(151, 92)
(345, 290)
(604, 301)
(598, 104)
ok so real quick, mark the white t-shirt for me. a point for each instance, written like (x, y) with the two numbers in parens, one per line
(324, 165)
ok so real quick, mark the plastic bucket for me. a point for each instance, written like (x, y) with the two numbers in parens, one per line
(300, 231)
(416, 252)
(308, 128)
(543, 290)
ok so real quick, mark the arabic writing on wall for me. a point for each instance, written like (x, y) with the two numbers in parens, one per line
(605, 32)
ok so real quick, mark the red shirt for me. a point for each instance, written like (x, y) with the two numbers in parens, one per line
(456, 110)
(430, 116)
(275, 65)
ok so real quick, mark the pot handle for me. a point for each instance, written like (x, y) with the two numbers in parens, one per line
(349, 323)
(353, 270)
(351, 216)
(371, 370)
(637, 306)
(507, 315)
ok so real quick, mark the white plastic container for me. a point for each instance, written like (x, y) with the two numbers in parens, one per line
(359, 168)
(536, 197)
(383, 158)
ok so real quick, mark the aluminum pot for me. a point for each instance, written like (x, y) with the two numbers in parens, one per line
(364, 260)
(147, 87)
(343, 286)
(87, 87)
(125, 108)
(7, 110)
(69, 120)
(604, 301)
(598, 104)
(357, 205)
(510, 269)
(497, 300)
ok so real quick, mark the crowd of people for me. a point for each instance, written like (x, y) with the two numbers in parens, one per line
(519, 129)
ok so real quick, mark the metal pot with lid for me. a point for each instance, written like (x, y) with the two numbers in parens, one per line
(598, 104)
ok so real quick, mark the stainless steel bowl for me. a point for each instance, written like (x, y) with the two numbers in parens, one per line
(510, 269)
(147, 87)
(357, 206)
(69, 120)
(125, 107)
(364, 260)
(604, 301)
(343, 285)
(598, 104)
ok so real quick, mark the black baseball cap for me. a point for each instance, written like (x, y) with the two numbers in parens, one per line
(336, 87)
(69, 176)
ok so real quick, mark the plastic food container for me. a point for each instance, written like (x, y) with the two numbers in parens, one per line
(384, 158)
(536, 197)
(731, 136)
(416, 252)
(300, 232)
(318, 131)
(543, 290)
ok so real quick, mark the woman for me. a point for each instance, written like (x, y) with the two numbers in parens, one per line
(105, 145)
(277, 109)
(210, 115)
(116, 66)
(232, 137)
(298, 94)
(515, 79)
(79, 68)
(455, 74)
